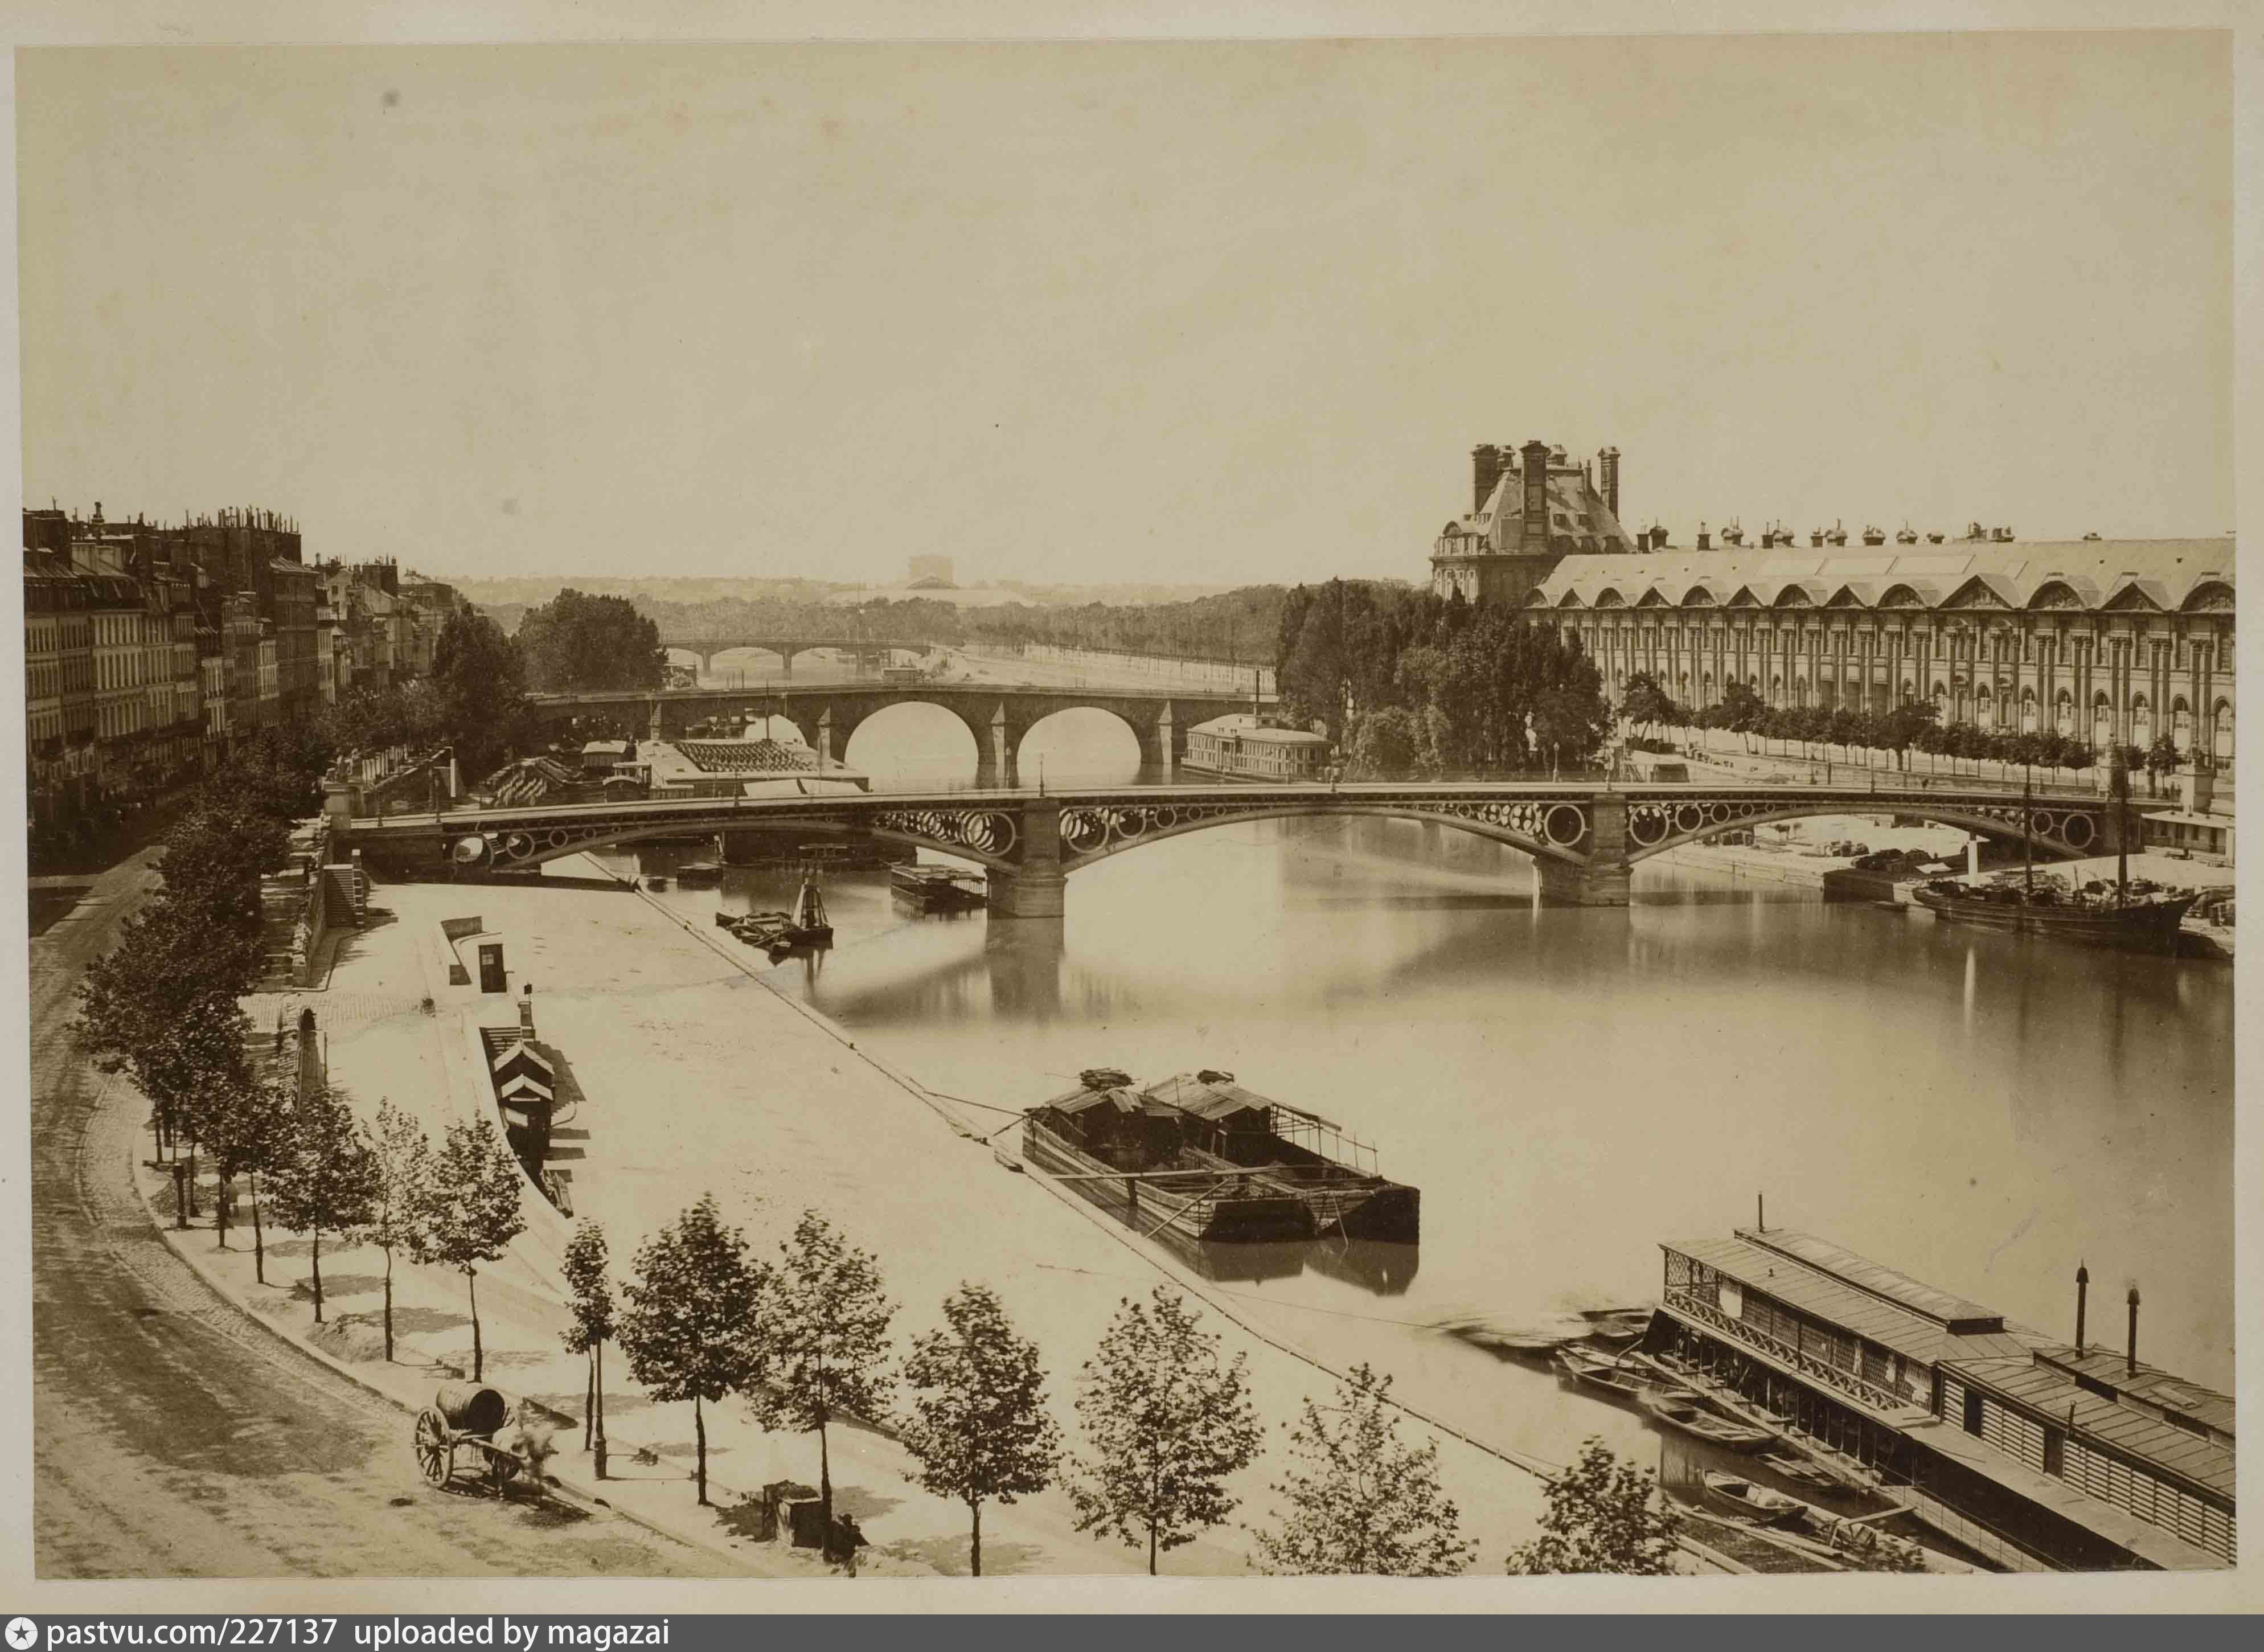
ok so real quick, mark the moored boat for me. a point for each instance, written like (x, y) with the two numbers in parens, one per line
(2149, 921)
(936, 889)
(1751, 1501)
(1601, 1374)
(1680, 1410)
(1614, 1326)
(1200, 1155)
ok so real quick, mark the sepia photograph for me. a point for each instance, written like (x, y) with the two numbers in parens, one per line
(1026, 809)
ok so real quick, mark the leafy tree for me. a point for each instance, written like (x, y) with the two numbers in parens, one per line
(1362, 1504)
(580, 641)
(401, 1213)
(160, 1007)
(472, 1210)
(1389, 741)
(591, 1301)
(1166, 1422)
(324, 1178)
(244, 1122)
(1643, 703)
(821, 1339)
(693, 1305)
(979, 1426)
(480, 685)
(2162, 757)
(1605, 1515)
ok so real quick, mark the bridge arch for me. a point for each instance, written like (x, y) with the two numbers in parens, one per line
(1089, 726)
(914, 739)
(1546, 831)
(2068, 829)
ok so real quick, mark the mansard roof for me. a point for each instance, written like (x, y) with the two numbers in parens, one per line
(1572, 495)
(2143, 575)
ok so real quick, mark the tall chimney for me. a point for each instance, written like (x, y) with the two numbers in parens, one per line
(2130, 1360)
(1486, 463)
(1608, 461)
(526, 1009)
(1705, 540)
(1535, 472)
(2082, 1291)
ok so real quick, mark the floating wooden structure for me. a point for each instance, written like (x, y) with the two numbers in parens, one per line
(1214, 1162)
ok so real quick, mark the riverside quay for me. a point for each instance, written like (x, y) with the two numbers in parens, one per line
(2037, 1453)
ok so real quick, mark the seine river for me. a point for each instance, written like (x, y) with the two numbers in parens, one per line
(1568, 1088)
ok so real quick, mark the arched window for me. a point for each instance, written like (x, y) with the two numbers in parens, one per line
(2064, 714)
(2181, 723)
(2142, 723)
(2028, 711)
(2220, 721)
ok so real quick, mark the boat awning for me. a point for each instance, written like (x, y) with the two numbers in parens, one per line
(2119, 1526)
(2179, 817)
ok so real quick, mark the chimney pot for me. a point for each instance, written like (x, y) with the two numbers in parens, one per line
(2082, 1292)
(2131, 1360)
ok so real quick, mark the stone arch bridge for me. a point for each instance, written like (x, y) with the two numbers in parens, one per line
(705, 646)
(996, 716)
(1583, 840)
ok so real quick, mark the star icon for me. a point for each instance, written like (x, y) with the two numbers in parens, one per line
(22, 1632)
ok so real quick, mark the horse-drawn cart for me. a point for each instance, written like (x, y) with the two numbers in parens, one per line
(459, 1428)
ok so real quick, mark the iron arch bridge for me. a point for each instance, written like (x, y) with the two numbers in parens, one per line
(1582, 839)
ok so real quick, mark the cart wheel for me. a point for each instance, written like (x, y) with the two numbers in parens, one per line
(435, 1457)
(502, 1469)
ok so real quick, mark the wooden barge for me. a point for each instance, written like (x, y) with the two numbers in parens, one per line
(2141, 921)
(1201, 1158)
(938, 889)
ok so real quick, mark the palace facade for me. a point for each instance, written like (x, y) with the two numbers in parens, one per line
(2109, 642)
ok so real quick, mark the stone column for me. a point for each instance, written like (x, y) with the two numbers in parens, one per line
(1161, 750)
(1035, 886)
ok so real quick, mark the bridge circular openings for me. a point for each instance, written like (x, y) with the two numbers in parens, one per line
(992, 833)
(1082, 830)
(1716, 813)
(1565, 825)
(1127, 824)
(1690, 818)
(558, 838)
(1165, 818)
(2079, 832)
(518, 845)
(1646, 826)
(2044, 824)
(468, 851)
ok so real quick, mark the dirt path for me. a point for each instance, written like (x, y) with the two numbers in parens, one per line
(172, 1436)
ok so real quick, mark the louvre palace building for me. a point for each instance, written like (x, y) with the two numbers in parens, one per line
(2113, 642)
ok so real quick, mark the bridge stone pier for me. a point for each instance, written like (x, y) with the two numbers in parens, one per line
(1038, 886)
(1603, 879)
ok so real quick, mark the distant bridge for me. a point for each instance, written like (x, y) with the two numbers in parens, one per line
(996, 716)
(1583, 840)
(705, 645)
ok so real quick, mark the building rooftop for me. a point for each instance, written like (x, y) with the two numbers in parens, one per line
(2143, 575)
(1855, 1301)
(2042, 1388)
(1952, 1312)
(1241, 725)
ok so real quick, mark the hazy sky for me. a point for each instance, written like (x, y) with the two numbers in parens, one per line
(1212, 313)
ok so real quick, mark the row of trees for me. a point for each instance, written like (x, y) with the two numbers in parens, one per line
(1914, 725)
(1412, 683)
(1166, 1417)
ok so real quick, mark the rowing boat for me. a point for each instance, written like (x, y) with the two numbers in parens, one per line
(1679, 1409)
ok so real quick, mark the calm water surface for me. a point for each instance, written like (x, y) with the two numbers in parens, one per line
(1569, 1088)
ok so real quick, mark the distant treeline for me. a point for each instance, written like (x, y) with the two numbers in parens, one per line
(1239, 626)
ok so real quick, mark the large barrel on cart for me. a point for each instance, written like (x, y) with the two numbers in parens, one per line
(458, 1431)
